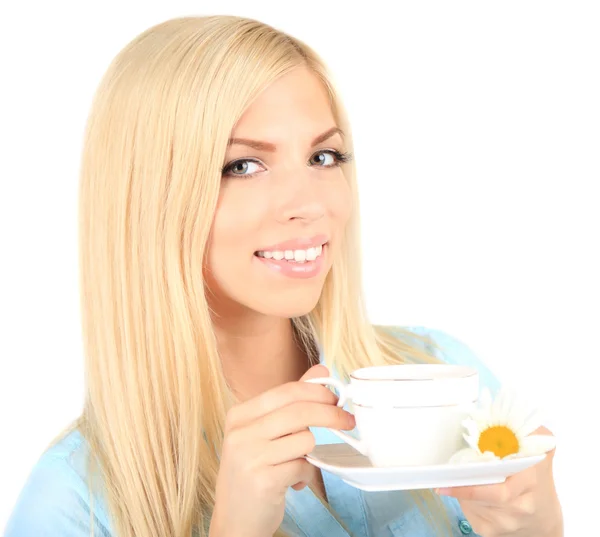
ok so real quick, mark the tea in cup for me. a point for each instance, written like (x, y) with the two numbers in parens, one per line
(408, 414)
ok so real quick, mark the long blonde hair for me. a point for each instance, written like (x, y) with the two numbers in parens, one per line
(156, 397)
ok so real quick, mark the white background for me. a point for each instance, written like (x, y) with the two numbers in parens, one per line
(477, 129)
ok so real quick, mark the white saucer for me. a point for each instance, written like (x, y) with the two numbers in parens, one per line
(356, 470)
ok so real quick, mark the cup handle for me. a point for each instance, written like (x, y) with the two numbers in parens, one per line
(345, 395)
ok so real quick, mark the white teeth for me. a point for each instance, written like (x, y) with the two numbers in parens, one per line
(298, 256)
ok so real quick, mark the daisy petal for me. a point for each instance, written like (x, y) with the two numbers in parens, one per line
(506, 405)
(472, 441)
(464, 455)
(479, 416)
(517, 412)
(530, 423)
(472, 428)
(488, 456)
(519, 455)
(467, 421)
(496, 406)
(537, 444)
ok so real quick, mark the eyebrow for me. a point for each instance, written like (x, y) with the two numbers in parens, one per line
(266, 146)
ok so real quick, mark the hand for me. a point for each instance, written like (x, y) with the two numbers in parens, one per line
(525, 505)
(264, 445)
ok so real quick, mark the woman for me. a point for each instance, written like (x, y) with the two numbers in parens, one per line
(220, 268)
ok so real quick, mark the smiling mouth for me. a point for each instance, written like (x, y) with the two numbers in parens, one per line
(292, 256)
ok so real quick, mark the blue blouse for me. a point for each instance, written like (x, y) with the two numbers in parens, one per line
(54, 501)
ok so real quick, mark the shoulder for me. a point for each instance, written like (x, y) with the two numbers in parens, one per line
(54, 502)
(452, 350)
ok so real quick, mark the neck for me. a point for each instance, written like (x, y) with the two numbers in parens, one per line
(259, 353)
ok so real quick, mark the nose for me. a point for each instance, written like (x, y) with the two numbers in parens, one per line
(303, 197)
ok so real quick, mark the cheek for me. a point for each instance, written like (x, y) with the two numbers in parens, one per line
(340, 203)
(234, 230)
(238, 216)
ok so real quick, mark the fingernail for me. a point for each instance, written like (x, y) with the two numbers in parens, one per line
(443, 491)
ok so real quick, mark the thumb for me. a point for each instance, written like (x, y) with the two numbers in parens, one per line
(315, 372)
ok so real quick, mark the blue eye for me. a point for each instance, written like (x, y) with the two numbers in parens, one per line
(241, 165)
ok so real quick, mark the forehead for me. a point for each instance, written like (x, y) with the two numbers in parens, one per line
(297, 104)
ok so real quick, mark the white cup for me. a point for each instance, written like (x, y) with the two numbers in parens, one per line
(410, 414)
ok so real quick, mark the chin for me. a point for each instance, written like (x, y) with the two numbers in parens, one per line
(288, 313)
(291, 307)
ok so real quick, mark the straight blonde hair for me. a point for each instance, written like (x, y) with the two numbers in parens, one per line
(155, 394)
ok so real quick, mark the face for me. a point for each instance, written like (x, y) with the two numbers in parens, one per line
(283, 205)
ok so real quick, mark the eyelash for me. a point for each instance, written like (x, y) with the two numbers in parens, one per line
(340, 159)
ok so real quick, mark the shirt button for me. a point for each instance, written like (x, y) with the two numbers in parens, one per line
(465, 527)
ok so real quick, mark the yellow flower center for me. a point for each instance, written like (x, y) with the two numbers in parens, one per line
(500, 440)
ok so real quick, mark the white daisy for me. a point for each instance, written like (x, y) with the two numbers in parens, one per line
(501, 429)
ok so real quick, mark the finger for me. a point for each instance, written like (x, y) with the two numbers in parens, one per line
(301, 415)
(501, 493)
(290, 447)
(542, 430)
(493, 494)
(522, 482)
(315, 372)
(292, 473)
(271, 400)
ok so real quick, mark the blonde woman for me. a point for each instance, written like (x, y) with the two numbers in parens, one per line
(216, 146)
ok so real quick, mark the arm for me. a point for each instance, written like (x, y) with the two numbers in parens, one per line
(527, 503)
(53, 503)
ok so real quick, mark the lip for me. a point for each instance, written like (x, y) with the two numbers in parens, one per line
(306, 270)
(301, 243)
